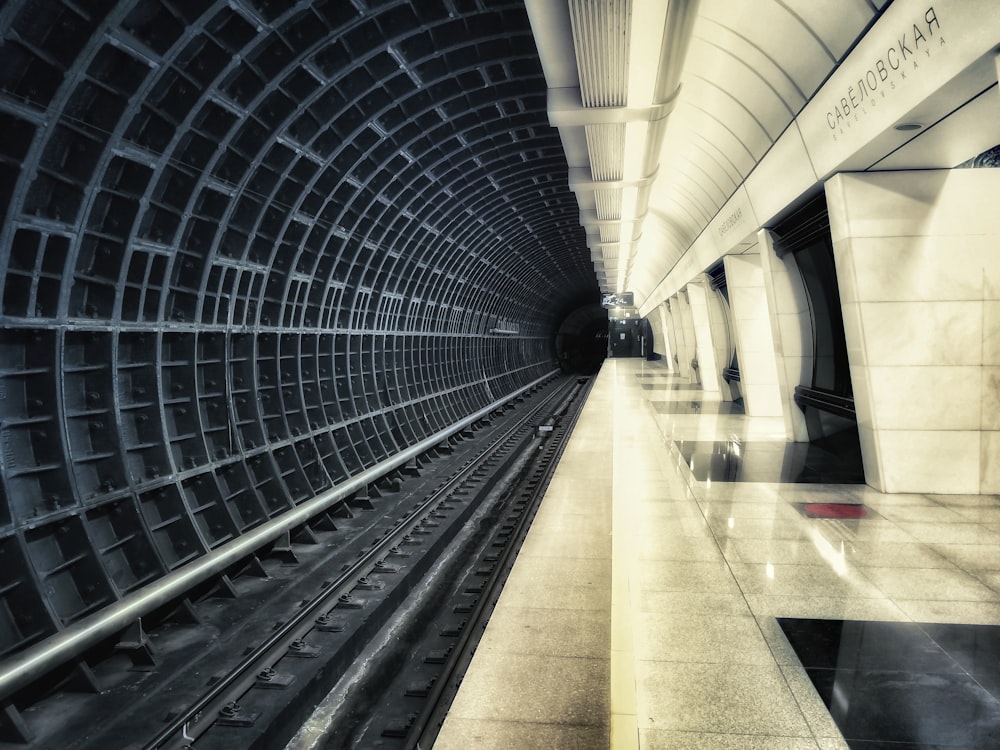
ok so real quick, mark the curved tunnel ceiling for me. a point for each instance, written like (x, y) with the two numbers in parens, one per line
(249, 248)
(687, 98)
(749, 70)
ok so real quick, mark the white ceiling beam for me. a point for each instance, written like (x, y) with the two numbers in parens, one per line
(580, 180)
(565, 107)
(649, 96)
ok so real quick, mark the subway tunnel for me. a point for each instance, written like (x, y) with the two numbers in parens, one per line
(250, 250)
(255, 252)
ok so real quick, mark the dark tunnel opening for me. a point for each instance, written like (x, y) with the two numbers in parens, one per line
(582, 340)
(248, 251)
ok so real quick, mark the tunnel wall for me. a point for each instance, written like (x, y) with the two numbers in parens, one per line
(249, 249)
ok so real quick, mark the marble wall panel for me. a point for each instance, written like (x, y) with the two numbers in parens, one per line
(991, 400)
(672, 335)
(708, 368)
(664, 346)
(754, 342)
(791, 331)
(990, 462)
(900, 399)
(991, 331)
(917, 264)
(919, 203)
(854, 333)
(864, 401)
(685, 336)
(871, 456)
(923, 333)
(934, 461)
(903, 269)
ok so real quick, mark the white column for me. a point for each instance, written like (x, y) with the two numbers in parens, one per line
(918, 265)
(669, 306)
(722, 342)
(791, 331)
(754, 342)
(685, 336)
(672, 318)
(705, 350)
(667, 350)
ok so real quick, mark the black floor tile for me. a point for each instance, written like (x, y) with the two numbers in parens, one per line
(952, 710)
(975, 647)
(903, 685)
(863, 745)
(869, 645)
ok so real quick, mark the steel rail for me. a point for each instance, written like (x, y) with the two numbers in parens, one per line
(198, 718)
(28, 665)
(426, 725)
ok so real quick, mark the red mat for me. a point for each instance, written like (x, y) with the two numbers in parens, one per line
(835, 510)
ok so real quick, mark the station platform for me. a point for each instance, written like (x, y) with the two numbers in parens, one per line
(689, 583)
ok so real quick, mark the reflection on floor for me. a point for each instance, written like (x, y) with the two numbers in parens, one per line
(797, 463)
(904, 685)
(670, 387)
(644, 586)
(698, 407)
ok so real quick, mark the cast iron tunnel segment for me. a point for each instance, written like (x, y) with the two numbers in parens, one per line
(161, 598)
(348, 594)
(250, 251)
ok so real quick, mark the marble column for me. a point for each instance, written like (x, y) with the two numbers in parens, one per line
(791, 331)
(723, 342)
(665, 348)
(708, 370)
(672, 333)
(754, 342)
(918, 265)
(685, 336)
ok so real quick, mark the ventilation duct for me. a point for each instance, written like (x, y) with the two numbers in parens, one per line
(600, 40)
(608, 129)
(606, 146)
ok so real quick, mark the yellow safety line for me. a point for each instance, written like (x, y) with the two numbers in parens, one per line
(624, 722)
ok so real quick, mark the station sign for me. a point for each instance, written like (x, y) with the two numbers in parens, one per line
(624, 299)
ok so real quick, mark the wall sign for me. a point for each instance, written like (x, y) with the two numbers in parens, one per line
(911, 47)
(625, 299)
(925, 56)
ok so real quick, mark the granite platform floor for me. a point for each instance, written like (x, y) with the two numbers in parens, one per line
(649, 608)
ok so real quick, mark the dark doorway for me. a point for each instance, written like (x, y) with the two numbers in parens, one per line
(582, 340)
(828, 399)
(629, 337)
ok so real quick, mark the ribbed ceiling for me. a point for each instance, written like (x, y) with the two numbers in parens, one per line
(708, 88)
(606, 145)
(749, 70)
(249, 248)
(600, 36)
(323, 130)
(601, 31)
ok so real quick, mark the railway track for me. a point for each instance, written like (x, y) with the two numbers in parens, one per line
(398, 696)
(251, 663)
(368, 593)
